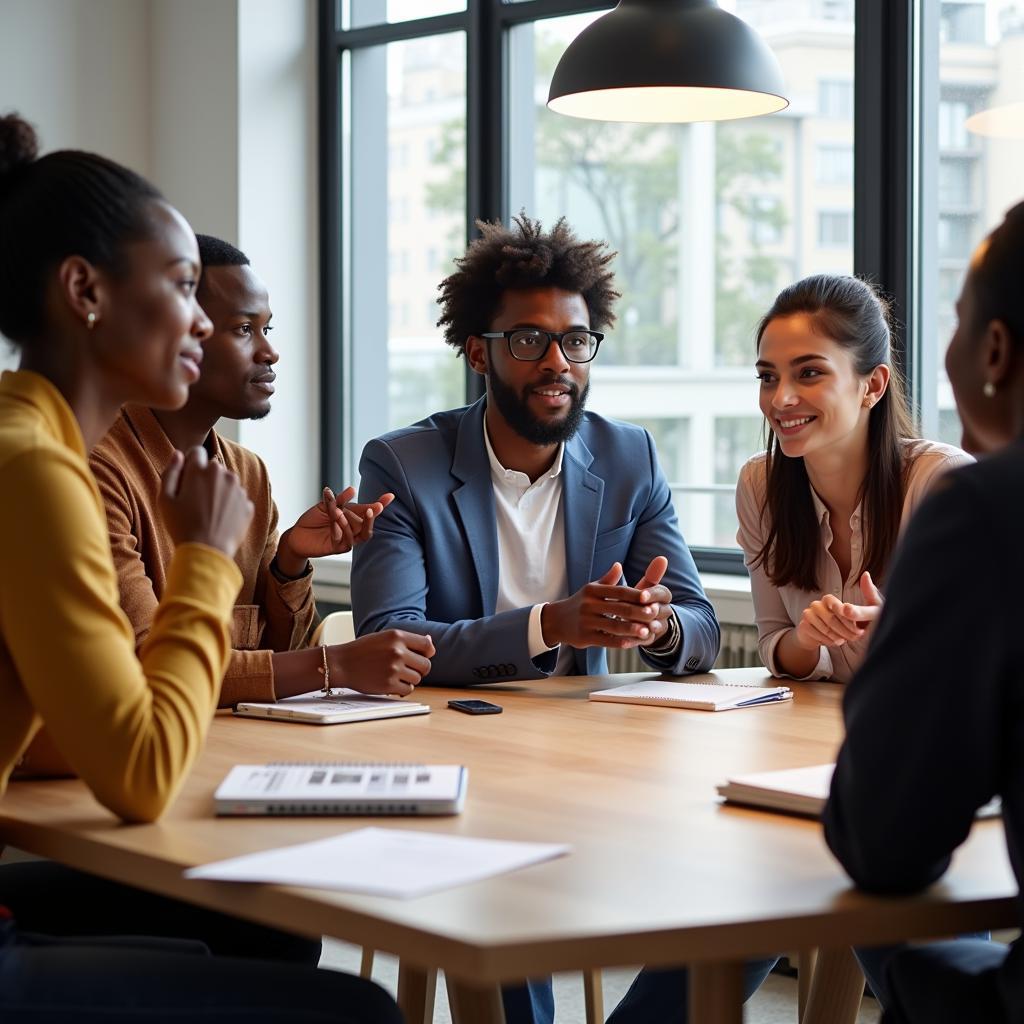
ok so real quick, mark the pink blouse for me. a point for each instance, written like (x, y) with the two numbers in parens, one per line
(778, 609)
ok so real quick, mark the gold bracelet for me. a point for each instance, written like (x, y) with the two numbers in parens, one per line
(325, 671)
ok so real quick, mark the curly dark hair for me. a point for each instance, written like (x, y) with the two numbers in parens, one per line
(523, 256)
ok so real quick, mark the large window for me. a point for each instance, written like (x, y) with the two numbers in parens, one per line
(405, 129)
(362, 13)
(433, 115)
(708, 222)
(974, 59)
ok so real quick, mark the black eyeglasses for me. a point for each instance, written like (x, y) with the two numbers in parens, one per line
(530, 343)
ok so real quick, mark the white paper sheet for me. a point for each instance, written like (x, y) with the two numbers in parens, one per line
(382, 862)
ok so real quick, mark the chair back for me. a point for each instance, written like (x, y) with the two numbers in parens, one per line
(336, 628)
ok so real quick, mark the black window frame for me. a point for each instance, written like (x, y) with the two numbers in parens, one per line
(885, 60)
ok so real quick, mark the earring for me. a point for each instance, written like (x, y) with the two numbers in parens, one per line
(989, 389)
(90, 320)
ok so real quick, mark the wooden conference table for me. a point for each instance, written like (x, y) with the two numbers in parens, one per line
(659, 873)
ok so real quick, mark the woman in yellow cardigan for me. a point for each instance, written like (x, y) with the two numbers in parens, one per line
(97, 290)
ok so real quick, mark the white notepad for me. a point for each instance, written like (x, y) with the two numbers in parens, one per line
(794, 790)
(342, 788)
(705, 693)
(799, 791)
(342, 706)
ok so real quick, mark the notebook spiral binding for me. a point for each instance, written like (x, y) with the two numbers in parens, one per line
(345, 764)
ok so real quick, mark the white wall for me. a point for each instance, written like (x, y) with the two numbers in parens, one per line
(277, 229)
(215, 102)
(193, 48)
(78, 72)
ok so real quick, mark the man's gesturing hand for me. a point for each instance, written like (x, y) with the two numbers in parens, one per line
(661, 597)
(605, 614)
(332, 526)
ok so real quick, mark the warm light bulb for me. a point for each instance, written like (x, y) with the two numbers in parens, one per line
(667, 104)
(1004, 122)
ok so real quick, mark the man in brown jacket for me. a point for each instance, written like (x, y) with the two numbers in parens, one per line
(275, 615)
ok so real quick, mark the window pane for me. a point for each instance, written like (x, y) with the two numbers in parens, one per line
(735, 438)
(709, 223)
(972, 179)
(360, 13)
(835, 229)
(956, 183)
(835, 98)
(405, 143)
(834, 164)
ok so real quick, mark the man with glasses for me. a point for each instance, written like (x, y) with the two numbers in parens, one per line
(527, 535)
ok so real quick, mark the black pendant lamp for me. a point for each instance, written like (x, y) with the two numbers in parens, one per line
(667, 61)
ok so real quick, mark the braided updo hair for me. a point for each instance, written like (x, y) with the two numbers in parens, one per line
(523, 256)
(65, 203)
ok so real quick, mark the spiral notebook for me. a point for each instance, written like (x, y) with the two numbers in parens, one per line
(705, 693)
(327, 788)
(341, 706)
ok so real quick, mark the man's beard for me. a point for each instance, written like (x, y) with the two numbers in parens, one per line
(513, 407)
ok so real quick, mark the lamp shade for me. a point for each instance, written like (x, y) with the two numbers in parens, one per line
(667, 61)
(1005, 122)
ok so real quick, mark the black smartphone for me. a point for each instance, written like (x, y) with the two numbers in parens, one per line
(475, 707)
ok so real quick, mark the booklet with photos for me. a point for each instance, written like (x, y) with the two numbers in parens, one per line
(325, 788)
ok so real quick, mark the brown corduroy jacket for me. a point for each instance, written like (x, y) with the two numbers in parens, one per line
(270, 615)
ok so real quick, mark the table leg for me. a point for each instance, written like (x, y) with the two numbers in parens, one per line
(473, 1004)
(366, 962)
(593, 996)
(805, 962)
(716, 993)
(837, 988)
(416, 988)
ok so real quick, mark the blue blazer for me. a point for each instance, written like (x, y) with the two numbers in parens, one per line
(432, 566)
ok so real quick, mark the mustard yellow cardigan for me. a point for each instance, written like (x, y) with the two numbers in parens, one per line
(129, 726)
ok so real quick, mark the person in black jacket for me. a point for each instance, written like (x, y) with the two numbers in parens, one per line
(935, 716)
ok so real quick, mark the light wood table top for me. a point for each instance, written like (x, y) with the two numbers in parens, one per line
(660, 871)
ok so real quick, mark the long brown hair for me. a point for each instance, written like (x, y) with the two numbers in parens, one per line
(851, 313)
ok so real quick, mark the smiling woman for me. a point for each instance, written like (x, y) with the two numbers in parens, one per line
(98, 281)
(820, 511)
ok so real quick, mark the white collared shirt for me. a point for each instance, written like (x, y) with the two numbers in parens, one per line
(531, 546)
